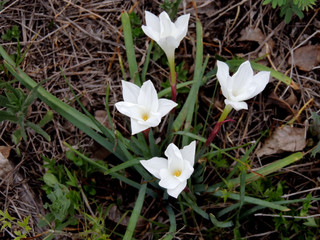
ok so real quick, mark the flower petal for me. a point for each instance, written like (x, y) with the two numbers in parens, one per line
(188, 152)
(131, 110)
(223, 77)
(152, 21)
(130, 92)
(136, 127)
(154, 165)
(168, 45)
(236, 105)
(175, 161)
(165, 106)
(242, 76)
(187, 171)
(260, 80)
(168, 180)
(182, 25)
(148, 97)
(151, 33)
(174, 192)
(153, 120)
(167, 27)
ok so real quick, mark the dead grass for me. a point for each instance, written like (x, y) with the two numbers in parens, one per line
(81, 38)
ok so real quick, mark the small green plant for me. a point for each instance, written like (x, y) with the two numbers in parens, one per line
(20, 229)
(290, 7)
(136, 25)
(11, 35)
(16, 104)
(302, 226)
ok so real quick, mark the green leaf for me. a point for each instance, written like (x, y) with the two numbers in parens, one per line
(50, 179)
(253, 200)
(311, 223)
(38, 130)
(188, 107)
(173, 224)
(5, 116)
(47, 118)
(135, 213)
(127, 32)
(220, 224)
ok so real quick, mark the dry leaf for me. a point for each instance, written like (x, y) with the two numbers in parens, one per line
(5, 166)
(306, 57)
(284, 139)
(5, 151)
(255, 34)
(251, 34)
(102, 117)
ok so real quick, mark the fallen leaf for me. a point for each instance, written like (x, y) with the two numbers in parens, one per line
(102, 117)
(306, 57)
(5, 166)
(251, 33)
(5, 151)
(284, 139)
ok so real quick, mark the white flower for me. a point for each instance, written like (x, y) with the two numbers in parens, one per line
(242, 86)
(166, 33)
(174, 172)
(143, 106)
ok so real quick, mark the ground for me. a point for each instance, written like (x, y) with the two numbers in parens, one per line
(81, 43)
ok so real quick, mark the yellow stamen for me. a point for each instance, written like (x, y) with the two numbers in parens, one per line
(145, 117)
(177, 173)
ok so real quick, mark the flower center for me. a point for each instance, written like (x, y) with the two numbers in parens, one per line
(145, 117)
(177, 173)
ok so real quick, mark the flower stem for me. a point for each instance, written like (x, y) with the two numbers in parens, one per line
(173, 79)
(225, 113)
(146, 134)
(217, 127)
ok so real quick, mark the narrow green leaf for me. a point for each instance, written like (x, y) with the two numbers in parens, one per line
(135, 213)
(38, 130)
(146, 63)
(47, 118)
(173, 225)
(271, 168)
(194, 206)
(5, 116)
(103, 168)
(128, 41)
(179, 85)
(253, 200)
(219, 224)
(188, 107)
(3, 101)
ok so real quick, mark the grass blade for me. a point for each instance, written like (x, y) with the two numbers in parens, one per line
(188, 107)
(253, 200)
(173, 224)
(219, 224)
(135, 213)
(127, 32)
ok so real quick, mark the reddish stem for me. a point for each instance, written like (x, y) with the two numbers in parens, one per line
(146, 134)
(173, 88)
(215, 131)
